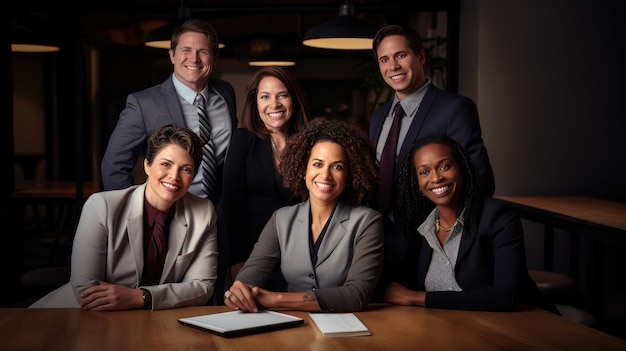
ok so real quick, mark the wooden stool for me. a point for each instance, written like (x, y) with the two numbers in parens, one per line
(557, 287)
(576, 314)
(564, 292)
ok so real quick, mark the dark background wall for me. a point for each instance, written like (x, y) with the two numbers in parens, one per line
(547, 77)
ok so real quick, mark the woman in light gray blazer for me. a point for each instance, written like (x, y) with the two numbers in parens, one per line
(330, 246)
(110, 269)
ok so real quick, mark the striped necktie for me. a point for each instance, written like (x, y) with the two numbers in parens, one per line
(208, 166)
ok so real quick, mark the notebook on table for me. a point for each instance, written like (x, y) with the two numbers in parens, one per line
(236, 323)
(339, 324)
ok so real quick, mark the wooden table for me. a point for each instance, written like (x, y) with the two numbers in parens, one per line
(394, 328)
(600, 221)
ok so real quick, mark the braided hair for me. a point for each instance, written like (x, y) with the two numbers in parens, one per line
(415, 208)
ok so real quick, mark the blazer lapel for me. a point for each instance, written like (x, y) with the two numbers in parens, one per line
(416, 126)
(135, 227)
(467, 240)
(378, 122)
(265, 158)
(170, 97)
(177, 235)
(335, 232)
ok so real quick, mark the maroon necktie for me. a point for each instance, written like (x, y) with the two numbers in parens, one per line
(388, 162)
(157, 249)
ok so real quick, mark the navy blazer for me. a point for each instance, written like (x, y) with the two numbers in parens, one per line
(145, 112)
(439, 112)
(490, 268)
(252, 190)
(443, 112)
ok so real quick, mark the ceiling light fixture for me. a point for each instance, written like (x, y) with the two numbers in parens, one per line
(270, 62)
(268, 52)
(345, 32)
(34, 48)
(160, 37)
(25, 40)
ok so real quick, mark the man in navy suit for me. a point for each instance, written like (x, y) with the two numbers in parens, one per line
(426, 110)
(194, 52)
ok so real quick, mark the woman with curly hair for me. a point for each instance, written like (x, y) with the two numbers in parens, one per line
(469, 251)
(329, 246)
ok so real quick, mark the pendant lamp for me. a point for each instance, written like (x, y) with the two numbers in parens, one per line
(23, 40)
(268, 52)
(345, 32)
(161, 37)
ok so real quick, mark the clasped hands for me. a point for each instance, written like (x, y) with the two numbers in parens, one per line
(248, 298)
(110, 297)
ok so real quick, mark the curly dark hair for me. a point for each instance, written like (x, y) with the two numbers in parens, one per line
(414, 207)
(363, 175)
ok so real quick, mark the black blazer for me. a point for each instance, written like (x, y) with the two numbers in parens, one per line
(252, 191)
(440, 112)
(490, 268)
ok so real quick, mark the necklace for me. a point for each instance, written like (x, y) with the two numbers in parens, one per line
(274, 150)
(438, 225)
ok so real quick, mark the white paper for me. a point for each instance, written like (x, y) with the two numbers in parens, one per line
(339, 324)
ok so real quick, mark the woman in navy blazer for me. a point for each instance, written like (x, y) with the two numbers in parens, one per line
(274, 109)
(468, 250)
(329, 247)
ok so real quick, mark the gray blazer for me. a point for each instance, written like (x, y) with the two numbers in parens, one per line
(145, 112)
(349, 259)
(108, 246)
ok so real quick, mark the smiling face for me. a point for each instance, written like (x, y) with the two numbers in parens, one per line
(274, 103)
(192, 60)
(438, 174)
(326, 172)
(401, 68)
(169, 176)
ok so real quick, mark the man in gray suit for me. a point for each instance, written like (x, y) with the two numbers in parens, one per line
(426, 110)
(193, 53)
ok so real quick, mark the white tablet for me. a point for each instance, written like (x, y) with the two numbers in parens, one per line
(236, 323)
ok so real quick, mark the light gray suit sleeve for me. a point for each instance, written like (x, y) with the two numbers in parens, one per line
(264, 257)
(364, 271)
(349, 259)
(108, 246)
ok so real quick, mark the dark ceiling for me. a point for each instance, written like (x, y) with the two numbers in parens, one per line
(238, 22)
